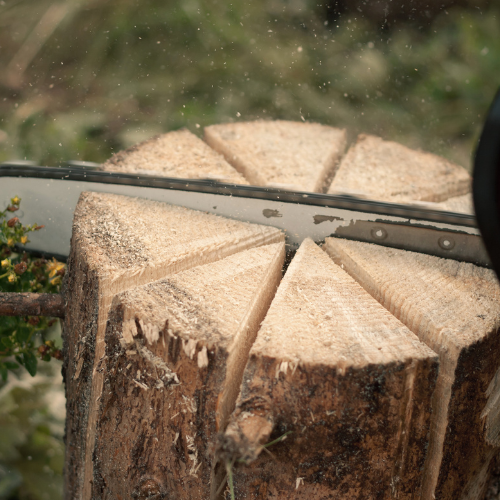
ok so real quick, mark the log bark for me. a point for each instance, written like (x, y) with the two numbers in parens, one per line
(118, 243)
(288, 155)
(454, 307)
(176, 351)
(32, 304)
(163, 304)
(349, 382)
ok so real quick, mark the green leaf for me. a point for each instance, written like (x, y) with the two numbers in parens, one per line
(47, 357)
(23, 334)
(11, 365)
(7, 342)
(30, 362)
(3, 372)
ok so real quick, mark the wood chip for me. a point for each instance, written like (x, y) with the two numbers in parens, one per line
(175, 154)
(388, 171)
(208, 318)
(349, 382)
(288, 155)
(454, 307)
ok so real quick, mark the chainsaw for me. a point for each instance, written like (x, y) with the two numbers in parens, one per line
(50, 194)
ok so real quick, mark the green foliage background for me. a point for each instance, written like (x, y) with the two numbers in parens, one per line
(31, 410)
(81, 79)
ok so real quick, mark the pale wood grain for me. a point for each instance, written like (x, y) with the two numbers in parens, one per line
(290, 155)
(454, 307)
(120, 242)
(177, 349)
(388, 171)
(175, 154)
(348, 379)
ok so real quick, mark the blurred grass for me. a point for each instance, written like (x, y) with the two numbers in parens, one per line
(81, 79)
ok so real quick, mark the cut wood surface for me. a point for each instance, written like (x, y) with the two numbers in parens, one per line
(176, 350)
(349, 382)
(454, 307)
(461, 204)
(352, 383)
(388, 171)
(175, 154)
(117, 243)
(290, 155)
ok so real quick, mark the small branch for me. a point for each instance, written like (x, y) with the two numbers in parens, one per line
(32, 304)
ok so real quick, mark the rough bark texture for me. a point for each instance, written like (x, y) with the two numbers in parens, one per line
(176, 350)
(148, 393)
(118, 243)
(348, 380)
(289, 155)
(453, 307)
(32, 304)
(385, 170)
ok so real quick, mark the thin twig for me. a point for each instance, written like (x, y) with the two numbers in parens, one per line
(221, 487)
(277, 440)
(32, 304)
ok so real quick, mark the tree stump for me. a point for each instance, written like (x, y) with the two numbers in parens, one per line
(369, 373)
(357, 404)
(454, 307)
(118, 243)
(177, 349)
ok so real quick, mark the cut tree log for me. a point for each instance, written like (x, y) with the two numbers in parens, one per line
(283, 154)
(118, 243)
(176, 350)
(388, 171)
(349, 382)
(175, 154)
(454, 307)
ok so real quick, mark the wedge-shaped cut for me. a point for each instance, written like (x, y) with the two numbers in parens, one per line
(176, 352)
(460, 204)
(289, 155)
(349, 382)
(117, 243)
(176, 154)
(388, 171)
(454, 307)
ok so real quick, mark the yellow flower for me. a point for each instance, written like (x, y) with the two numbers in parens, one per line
(12, 278)
(15, 200)
(56, 281)
(10, 242)
(24, 240)
(54, 266)
(5, 263)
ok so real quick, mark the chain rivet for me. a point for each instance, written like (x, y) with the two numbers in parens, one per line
(379, 233)
(446, 243)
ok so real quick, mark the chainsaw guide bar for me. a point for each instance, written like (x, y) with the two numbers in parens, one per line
(50, 194)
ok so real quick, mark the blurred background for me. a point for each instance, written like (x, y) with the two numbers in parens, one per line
(82, 79)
